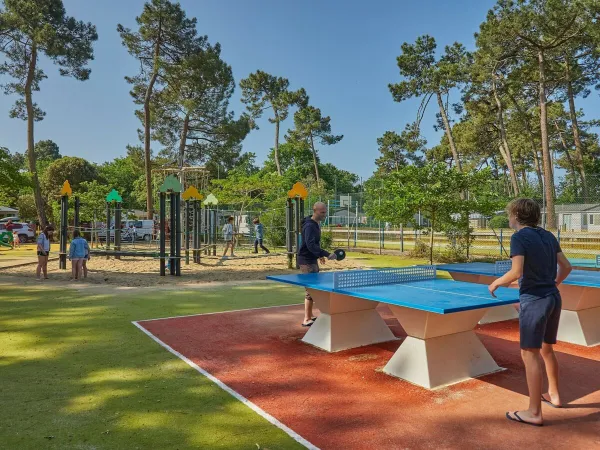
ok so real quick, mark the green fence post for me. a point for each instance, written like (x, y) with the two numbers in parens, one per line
(402, 237)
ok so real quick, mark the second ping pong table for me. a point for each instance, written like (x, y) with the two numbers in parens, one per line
(580, 293)
(586, 263)
(438, 315)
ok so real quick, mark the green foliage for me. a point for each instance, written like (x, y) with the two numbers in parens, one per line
(274, 221)
(244, 191)
(499, 221)
(338, 180)
(93, 201)
(192, 119)
(311, 126)
(26, 205)
(122, 174)
(29, 29)
(445, 196)
(11, 180)
(327, 240)
(261, 91)
(399, 150)
(75, 170)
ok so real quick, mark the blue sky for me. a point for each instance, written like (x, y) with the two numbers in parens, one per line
(342, 52)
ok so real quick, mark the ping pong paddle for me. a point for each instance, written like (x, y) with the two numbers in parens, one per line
(340, 254)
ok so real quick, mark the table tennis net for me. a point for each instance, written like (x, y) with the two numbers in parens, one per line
(361, 278)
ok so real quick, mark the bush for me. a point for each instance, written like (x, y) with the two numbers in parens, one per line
(500, 221)
(421, 250)
(326, 240)
(274, 223)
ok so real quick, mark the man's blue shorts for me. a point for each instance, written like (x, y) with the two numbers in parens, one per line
(538, 319)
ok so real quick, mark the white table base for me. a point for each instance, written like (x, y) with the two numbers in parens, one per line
(440, 349)
(346, 322)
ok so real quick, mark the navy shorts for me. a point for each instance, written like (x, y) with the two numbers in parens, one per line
(538, 319)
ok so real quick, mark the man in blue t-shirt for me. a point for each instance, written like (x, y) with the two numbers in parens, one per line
(535, 254)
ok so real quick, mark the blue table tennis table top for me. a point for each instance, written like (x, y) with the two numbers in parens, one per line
(584, 262)
(576, 277)
(436, 295)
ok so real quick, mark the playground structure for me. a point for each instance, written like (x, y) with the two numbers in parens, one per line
(294, 213)
(200, 220)
(6, 239)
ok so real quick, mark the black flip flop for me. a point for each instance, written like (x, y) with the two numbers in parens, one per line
(308, 324)
(548, 402)
(519, 420)
(313, 318)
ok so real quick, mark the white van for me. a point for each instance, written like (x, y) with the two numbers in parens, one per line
(144, 229)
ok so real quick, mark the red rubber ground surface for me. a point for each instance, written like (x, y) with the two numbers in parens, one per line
(342, 401)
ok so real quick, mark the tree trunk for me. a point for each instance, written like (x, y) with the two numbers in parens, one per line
(277, 143)
(431, 240)
(546, 156)
(314, 152)
(31, 156)
(576, 136)
(147, 118)
(568, 155)
(182, 143)
(508, 183)
(504, 141)
(448, 132)
(534, 152)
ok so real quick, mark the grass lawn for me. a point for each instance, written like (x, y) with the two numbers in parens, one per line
(76, 374)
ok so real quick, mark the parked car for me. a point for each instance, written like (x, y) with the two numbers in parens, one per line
(25, 231)
(131, 229)
(6, 219)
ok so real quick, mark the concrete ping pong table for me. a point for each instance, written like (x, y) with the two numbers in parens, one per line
(438, 315)
(580, 292)
(586, 263)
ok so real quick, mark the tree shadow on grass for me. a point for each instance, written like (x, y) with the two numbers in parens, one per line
(80, 375)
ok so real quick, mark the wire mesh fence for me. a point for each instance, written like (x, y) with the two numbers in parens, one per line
(577, 227)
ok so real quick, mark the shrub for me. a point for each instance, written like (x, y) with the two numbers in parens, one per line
(326, 239)
(500, 221)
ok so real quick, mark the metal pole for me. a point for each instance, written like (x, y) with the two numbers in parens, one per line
(501, 243)
(297, 227)
(76, 217)
(215, 227)
(177, 197)
(64, 205)
(356, 225)
(186, 225)
(348, 224)
(172, 237)
(162, 229)
(117, 229)
(107, 227)
(402, 237)
(195, 235)
(289, 232)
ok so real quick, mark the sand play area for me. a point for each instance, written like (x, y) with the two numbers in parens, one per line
(137, 271)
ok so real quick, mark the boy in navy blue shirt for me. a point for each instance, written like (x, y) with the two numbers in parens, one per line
(535, 254)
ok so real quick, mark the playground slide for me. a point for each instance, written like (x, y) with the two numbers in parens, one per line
(6, 239)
